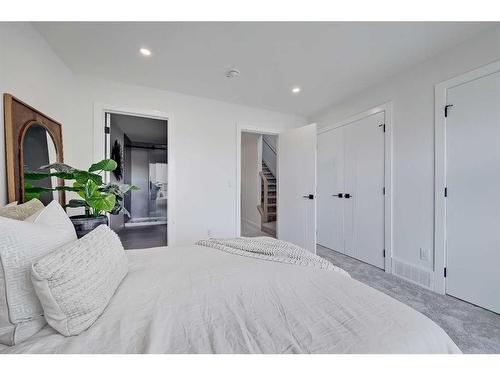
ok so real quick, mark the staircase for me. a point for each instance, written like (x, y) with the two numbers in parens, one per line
(268, 201)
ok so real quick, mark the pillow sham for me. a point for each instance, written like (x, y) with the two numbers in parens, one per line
(54, 216)
(21, 244)
(11, 204)
(76, 282)
(21, 211)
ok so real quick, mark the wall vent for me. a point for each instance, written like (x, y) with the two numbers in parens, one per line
(414, 274)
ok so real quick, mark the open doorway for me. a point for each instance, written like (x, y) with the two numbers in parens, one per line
(259, 195)
(139, 146)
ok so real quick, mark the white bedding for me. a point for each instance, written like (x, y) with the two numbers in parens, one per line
(201, 300)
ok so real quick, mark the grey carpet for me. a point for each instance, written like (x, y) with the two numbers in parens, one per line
(473, 329)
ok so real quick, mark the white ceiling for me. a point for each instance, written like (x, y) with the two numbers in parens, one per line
(328, 60)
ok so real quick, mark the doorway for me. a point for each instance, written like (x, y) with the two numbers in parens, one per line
(139, 146)
(470, 119)
(352, 188)
(259, 178)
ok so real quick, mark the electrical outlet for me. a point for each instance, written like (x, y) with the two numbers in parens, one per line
(424, 254)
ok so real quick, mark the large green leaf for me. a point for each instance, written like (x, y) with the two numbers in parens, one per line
(102, 202)
(83, 176)
(90, 189)
(35, 189)
(74, 203)
(59, 167)
(42, 175)
(29, 195)
(104, 165)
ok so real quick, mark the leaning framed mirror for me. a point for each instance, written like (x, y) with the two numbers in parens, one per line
(32, 140)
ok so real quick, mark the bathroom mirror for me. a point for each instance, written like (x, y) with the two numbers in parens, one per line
(32, 140)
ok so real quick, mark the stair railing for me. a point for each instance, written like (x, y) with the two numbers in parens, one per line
(264, 197)
(269, 155)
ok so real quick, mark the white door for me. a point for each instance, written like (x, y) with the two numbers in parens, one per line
(473, 192)
(297, 187)
(330, 202)
(364, 189)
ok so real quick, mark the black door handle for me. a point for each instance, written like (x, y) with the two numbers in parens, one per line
(347, 195)
(310, 196)
(339, 195)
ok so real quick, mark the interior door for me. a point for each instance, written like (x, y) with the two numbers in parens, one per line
(364, 184)
(473, 185)
(330, 205)
(297, 186)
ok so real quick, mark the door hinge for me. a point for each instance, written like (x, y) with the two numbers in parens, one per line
(446, 109)
(382, 126)
(107, 130)
(445, 192)
(383, 190)
(383, 253)
(444, 271)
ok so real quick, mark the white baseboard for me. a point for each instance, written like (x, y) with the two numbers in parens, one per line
(251, 223)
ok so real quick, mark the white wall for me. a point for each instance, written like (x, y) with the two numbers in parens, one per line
(203, 147)
(251, 158)
(412, 95)
(204, 131)
(32, 72)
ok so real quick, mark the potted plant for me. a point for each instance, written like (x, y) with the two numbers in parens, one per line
(96, 197)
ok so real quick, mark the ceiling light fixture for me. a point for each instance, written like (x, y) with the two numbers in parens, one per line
(296, 90)
(233, 73)
(145, 52)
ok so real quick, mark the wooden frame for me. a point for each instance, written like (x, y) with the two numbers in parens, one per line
(440, 95)
(388, 224)
(19, 117)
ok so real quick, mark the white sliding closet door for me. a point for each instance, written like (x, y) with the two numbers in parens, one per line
(473, 185)
(330, 206)
(364, 183)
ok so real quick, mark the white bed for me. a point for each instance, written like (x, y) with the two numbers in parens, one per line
(197, 299)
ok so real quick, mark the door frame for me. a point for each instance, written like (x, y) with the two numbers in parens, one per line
(99, 152)
(440, 95)
(388, 163)
(240, 128)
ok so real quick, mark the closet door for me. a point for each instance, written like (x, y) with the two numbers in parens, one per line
(364, 183)
(473, 184)
(330, 189)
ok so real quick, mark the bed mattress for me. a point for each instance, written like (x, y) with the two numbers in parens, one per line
(196, 299)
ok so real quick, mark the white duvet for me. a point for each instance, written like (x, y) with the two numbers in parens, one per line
(201, 300)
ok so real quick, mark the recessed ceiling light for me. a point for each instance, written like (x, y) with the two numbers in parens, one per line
(145, 52)
(296, 90)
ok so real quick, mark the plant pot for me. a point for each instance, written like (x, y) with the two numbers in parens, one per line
(84, 225)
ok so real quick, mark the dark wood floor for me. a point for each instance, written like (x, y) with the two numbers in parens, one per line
(143, 237)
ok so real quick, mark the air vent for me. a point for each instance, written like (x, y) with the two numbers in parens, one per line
(414, 274)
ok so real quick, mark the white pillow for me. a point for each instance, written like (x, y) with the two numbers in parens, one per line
(54, 216)
(21, 211)
(21, 244)
(76, 282)
(11, 204)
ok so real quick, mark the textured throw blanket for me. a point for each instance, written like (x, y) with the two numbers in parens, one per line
(268, 248)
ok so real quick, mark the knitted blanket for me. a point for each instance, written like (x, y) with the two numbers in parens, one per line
(268, 248)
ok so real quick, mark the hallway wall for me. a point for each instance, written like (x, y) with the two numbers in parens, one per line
(251, 158)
